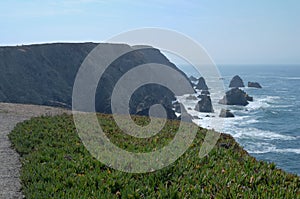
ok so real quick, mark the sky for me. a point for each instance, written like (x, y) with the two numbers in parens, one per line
(231, 31)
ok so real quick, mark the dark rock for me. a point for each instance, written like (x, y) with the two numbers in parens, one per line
(235, 96)
(236, 82)
(192, 78)
(225, 145)
(191, 97)
(184, 116)
(176, 107)
(201, 85)
(226, 113)
(254, 85)
(179, 108)
(205, 92)
(189, 108)
(196, 117)
(3, 97)
(250, 99)
(205, 105)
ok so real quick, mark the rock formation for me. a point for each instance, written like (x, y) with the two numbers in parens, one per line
(192, 78)
(191, 97)
(205, 92)
(204, 105)
(236, 96)
(254, 85)
(184, 116)
(226, 113)
(201, 85)
(236, 82)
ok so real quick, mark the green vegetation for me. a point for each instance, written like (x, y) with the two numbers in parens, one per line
(57, 165)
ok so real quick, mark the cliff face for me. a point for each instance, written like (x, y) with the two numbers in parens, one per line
(44, 75)
(40, 74)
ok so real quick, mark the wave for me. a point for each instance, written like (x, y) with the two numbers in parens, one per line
(278, 77)
(229, 125)
(260, 103)
(260, 148)
(254, 140)
(250, 121)
(290, 78)
(258, 134)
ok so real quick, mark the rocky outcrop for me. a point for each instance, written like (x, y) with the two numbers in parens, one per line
(192, 78)
(226, 113)
(204, 105)
(176, 107)
(254, 85)
(236, 96)
(236, 82)
(179, 108)
(249, 98)
(201, 85)
(184, 116)
(191, 97)
(205, 92)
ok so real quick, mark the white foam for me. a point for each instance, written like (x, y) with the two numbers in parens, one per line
(243, 134)
(262, 103)
(260, 148)
(258, 134)
(290, 78)
(284, 106)
(288, 150)
(250, 121)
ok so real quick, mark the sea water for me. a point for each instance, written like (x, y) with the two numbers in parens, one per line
(269, 127)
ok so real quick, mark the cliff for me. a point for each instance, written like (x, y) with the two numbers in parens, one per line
(44, 74)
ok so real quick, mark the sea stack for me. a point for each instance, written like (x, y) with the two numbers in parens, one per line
(204, 105)
(201, 85)
(254, 85)
(226, 113)
(192, 78)
(236, 96)
(236, 82)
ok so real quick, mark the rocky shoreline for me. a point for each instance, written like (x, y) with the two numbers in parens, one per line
(234, 96)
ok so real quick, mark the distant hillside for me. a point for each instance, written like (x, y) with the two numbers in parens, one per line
(44, 74)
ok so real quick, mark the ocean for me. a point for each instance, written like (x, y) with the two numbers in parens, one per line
(269, 127)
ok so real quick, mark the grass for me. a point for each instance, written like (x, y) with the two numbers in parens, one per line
(55, 164)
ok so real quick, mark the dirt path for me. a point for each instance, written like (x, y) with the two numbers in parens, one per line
(10, 115)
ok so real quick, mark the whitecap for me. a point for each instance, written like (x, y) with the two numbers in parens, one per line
(262, 147)
(288, 150)
(258, 134)
(250, 121)
(259, 147)
(257, 104)
(290, 78)
(262, 103)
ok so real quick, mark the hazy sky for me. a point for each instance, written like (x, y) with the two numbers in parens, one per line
(232, 31)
